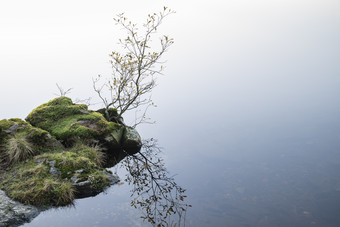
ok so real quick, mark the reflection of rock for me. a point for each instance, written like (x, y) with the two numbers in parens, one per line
(13, 213)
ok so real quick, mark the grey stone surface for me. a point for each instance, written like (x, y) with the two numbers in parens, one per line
(12, 129)
(131, 141)
(13, 213)
(53, 169)
(85, 189)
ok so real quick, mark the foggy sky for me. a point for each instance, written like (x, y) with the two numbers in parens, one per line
(250, 60)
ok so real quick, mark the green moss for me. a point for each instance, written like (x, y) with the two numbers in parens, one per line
(70, 122)
(69, 162)
(4, 125)
(58, 108)
(99, 180)
(111, 111)
(110, 115)
(31, 183)
(70, 127)
(59, 101)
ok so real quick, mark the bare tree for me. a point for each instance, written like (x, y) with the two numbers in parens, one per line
(62, 92)
(134, 68)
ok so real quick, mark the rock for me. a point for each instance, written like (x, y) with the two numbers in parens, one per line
(36, 136)
(70, 122)
(53, 170)
(12, 129)
(111, 115)
(79, 171)
(84, 111)
(86, 188)
(66, 163)
(83, 188)
(131, 141)
(117, 135)
(114, 179)
(13, 213)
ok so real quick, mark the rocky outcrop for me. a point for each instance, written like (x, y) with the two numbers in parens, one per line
(70, 122)
(58, 154)
(13, 213)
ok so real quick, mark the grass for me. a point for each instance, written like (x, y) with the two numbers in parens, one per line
(99, 180)
(18, 148)
(65, 193)
(31, 183)
(95, 154)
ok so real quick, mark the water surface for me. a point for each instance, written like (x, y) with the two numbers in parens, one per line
(244, 179)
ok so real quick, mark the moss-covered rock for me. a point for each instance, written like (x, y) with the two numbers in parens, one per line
(70, 122)
(57, 177)
(59, 152)
(31, 183)
(111, 114)
(18, 136)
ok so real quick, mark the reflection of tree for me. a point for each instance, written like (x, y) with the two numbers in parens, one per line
(154, 191)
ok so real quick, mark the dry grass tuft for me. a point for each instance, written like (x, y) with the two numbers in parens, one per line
(66, 193)
(97, 155)
(18, 148)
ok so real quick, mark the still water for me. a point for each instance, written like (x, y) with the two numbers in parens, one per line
(287, 175)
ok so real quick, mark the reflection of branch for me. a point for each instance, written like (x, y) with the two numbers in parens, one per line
(156, 193)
